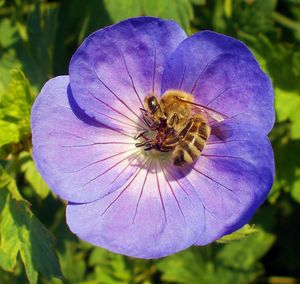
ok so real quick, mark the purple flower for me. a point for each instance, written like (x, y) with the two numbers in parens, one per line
(135, 201)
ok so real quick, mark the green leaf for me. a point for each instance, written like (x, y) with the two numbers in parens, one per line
(32, 175)
(8, 38)
(119, 10)
(295, 192)
(7, 182)
(114, 268)
(288, 177)
(72, 262)
(76, 20)
(22, 233)
(238, 235)
(15, 105)
(287, 106)
(18, 93)
(236, 262)
(41, 28)
(253, 16)
(218, 18)
(28, 40)
(73, 258)
(7, 33)
(9, 132)
(296, 62)
(111, 268)
(180, 11)
(198, 2)
(294, 10)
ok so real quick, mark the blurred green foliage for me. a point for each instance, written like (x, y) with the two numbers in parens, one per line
(37, 40)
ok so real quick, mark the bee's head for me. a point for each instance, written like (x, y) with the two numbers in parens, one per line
(152, 103)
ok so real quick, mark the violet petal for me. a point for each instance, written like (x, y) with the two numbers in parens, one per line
(222, 74)
(80, 159)
(116, 67)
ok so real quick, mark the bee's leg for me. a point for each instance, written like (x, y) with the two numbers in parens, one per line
(143, 144)
(162, 149)
(146, 117)
(174, 120)
(140, 133)
(161, 113)
(153, 125)
(186, 129)
(171, 142)
(150, 147)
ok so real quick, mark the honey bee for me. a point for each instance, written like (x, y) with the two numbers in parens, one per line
(180, 126)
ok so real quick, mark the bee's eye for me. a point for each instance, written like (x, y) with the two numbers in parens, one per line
(152, 104)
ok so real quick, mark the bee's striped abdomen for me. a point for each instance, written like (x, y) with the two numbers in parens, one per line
(191, 146)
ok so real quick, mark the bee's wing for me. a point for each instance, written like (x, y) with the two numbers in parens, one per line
(209, 113)
(218, 129)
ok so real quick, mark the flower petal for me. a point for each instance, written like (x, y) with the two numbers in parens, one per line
(155, 215)
(222, 74)
(79, 158)
(232, 179)
(152, 216)
(116, 67)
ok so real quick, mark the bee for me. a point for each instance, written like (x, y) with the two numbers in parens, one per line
(180, 126)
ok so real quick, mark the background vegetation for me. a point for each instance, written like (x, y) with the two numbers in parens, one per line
(37, 39)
